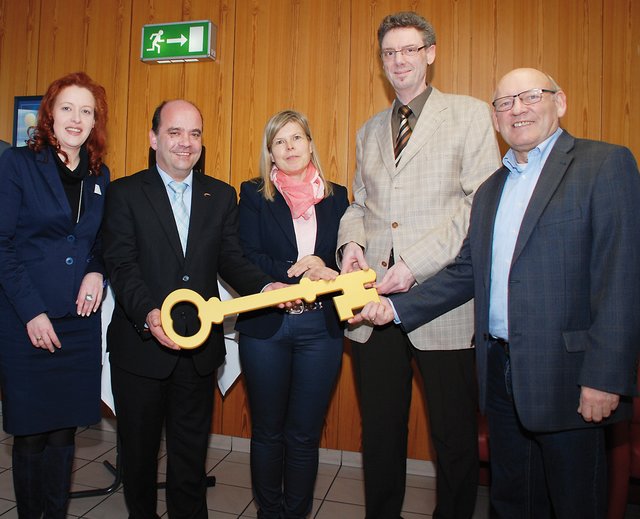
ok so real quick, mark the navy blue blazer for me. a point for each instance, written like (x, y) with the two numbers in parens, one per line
(4, 146)
(574, 284)
(44, 253)
(268, 239)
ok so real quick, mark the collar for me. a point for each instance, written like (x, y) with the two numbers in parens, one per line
(416, 104)
(540, 152)
(166, 178)
(72, 175)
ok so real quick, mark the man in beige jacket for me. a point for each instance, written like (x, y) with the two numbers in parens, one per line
(413, 191)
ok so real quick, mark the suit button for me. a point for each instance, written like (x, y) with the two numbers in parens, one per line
(69, 261)
(71, 238)
(185, 278)
(395, 225)
(384, 264)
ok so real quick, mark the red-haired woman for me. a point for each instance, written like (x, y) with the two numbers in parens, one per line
(51, 282)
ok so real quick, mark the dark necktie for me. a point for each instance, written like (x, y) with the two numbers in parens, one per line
(404, 132)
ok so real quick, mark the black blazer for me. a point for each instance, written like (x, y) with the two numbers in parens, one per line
(145, 263)
(269, 241)
(574, 284)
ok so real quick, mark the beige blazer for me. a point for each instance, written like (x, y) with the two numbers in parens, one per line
(421, 209)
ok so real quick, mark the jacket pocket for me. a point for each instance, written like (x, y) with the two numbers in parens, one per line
(551, 217)
(576, 341)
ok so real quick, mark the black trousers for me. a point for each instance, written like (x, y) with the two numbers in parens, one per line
(383, 375)
(183, 403)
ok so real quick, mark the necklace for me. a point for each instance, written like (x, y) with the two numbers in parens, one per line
(80, 201)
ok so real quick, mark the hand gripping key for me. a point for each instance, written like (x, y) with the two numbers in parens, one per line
(354, 296)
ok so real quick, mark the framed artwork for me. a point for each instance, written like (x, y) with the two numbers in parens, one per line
(25, 114)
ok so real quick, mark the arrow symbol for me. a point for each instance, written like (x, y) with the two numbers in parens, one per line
(182, 40)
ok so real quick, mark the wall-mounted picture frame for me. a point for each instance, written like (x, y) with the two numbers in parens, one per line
(25, 115)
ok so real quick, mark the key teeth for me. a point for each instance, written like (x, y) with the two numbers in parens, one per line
(345, 308)
(344, 312)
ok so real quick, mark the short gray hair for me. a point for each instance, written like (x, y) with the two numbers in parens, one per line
(407, 19)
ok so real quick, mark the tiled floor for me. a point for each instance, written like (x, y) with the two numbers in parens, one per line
(338, 492)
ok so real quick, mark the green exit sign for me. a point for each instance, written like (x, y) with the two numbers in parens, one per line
(179, 42)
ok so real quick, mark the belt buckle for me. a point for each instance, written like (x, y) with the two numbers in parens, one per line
(296, 310)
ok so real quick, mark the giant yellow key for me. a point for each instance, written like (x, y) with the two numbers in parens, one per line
(354, 296)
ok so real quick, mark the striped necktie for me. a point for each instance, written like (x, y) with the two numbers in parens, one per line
(180, 212)
(404, 132)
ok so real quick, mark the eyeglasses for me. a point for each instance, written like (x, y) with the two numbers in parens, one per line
(528, 97)
(407, 52)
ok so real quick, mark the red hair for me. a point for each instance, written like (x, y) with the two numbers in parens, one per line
(43, 134)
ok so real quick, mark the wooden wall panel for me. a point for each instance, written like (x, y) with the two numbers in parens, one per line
(19, 34)
(621, 74)
(291, 54)
(320, 58)
(108, 35)
(210, 86)
(58, 53)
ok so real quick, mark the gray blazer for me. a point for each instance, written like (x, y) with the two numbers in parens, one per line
(574, 285)
(421, 209)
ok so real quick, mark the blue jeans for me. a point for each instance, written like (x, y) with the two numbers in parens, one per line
(540, 475)
(289, 380)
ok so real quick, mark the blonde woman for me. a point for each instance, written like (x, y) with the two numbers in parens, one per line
(289, 222)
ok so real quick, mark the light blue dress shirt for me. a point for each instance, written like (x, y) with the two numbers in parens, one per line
(518, 188)
(188, 193)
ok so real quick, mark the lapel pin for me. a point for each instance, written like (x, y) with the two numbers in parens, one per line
(97, 190)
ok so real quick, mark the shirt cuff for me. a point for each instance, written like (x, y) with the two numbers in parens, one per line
(396, 318)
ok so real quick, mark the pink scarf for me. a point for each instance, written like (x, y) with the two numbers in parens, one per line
(300, 196)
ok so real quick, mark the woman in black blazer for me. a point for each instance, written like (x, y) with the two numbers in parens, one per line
(289, 222)
(51, 283)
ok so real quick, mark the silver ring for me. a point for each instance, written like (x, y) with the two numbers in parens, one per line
(38, 338)
(89, 297)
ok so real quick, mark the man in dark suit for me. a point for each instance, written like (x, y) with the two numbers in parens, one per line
(552, 258)
(168, 228)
